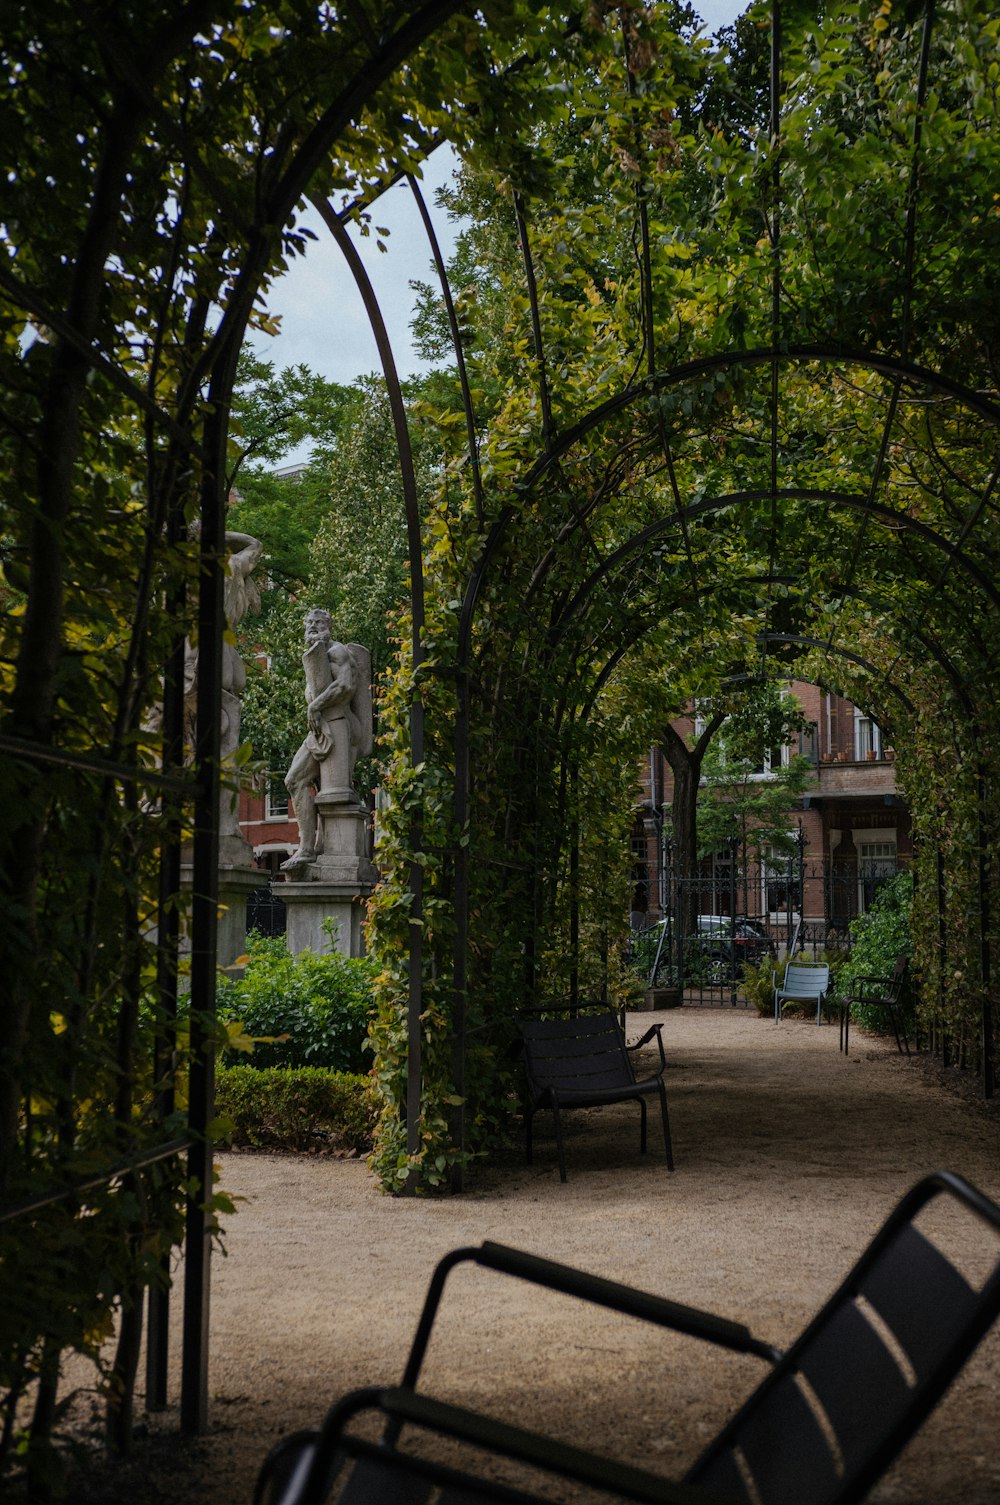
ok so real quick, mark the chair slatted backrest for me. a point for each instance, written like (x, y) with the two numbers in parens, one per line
(858, 1382)
(806, 978)
(585, 1053)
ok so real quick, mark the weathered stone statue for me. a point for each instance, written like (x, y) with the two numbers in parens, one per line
(240, 595)
(339, 715)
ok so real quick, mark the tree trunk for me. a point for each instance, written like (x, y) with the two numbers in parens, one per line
(685, 764)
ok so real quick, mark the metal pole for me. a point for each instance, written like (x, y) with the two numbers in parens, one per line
(734, 844)
(204, 905)
(985, 873)
(414, 1010)
(167, 935)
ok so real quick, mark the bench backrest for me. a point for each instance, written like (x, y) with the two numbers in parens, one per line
(581, 1054)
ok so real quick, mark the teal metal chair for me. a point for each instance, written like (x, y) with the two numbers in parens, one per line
(803, 983)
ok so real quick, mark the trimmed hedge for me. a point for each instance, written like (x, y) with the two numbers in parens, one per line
(295, 1108)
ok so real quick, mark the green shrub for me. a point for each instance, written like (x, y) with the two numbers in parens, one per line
(758, 984)
(877, 938)
(281, 1107)
(309, 1010)
(642, 954)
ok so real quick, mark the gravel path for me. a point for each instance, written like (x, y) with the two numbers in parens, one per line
(788, 1158)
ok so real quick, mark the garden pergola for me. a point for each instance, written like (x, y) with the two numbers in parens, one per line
(775, 482)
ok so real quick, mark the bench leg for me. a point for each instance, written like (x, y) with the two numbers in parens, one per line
(895, 1030)
(559, 1141)
(666, 1125)
(642, 1128)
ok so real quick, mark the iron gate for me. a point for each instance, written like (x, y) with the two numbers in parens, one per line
(740, 909)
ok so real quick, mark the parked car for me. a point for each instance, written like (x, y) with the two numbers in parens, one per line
(747, 936)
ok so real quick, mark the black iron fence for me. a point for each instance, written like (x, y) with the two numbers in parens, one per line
(266, 912)
(720, 925)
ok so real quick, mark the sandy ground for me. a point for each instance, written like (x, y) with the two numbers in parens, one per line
(788, 1158)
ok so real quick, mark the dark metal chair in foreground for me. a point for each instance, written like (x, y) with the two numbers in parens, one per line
(582, 1061)
(339, 1465)
(881, 993)
(826, 1422)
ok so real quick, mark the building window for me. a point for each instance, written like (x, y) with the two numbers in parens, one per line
(275, 798)
(867, 737)
(774, 758)
(876, 865)
(779, 879)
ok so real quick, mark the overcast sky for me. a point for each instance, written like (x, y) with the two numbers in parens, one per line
(323, 323)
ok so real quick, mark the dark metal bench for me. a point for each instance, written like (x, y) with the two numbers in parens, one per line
(344, 1467)
(582, 1061)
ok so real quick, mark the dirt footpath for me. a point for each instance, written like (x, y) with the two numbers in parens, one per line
(788, 1158)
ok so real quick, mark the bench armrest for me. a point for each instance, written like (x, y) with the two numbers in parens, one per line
(657, 1030)
(303, 1474)
(882, 983)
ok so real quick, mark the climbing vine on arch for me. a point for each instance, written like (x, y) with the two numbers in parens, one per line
(828, 493)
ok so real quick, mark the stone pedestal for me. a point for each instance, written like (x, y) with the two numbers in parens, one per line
(237, 880)
(333, 886)
(309, 905)
(235, 887)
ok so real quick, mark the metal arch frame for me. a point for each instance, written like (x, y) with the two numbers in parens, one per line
(217, 366)
(641, 628)
(898, 370)
(220, 360)
(388, 54)
(585, 708)
(867, 505)
(628, 550)
(663, 381)
(851, 500)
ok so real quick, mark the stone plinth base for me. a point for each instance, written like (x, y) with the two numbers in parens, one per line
(236, 883)
(333, 886)
(308, 905)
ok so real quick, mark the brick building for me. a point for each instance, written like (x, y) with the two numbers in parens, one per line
(851, 829)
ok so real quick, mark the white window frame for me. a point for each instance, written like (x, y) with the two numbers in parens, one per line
(700, 722)
(867, 736)
(769, 767)
(866, 840)
(274, 810)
